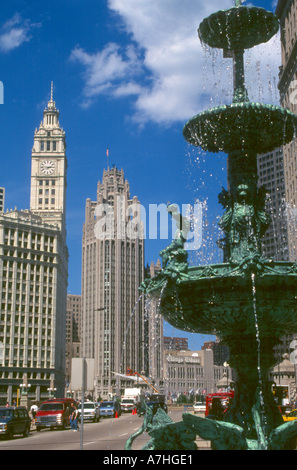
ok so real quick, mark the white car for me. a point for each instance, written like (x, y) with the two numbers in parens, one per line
(199, 407)
(91, 411)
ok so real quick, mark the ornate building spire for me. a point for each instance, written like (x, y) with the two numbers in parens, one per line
(51, 113)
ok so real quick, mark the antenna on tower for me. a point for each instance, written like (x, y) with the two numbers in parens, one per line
(52, 91)
(107, 155)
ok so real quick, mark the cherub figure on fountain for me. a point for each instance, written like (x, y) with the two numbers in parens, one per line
(174, 257)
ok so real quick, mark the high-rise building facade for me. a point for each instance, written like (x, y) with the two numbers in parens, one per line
(113, 323)
(34, 276)
(73, 332)
(175, 343)
(286, 11)
(271, 176)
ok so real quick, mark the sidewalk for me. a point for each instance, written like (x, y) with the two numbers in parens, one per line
(202, 444)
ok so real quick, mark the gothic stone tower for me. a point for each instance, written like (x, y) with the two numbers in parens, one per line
(112, 271)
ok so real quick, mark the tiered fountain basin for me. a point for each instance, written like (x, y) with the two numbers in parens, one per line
(247, 126)
(219, 299)
(238, 28)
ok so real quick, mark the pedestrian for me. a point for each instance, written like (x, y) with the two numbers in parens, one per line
(73, 418)
(33, 409)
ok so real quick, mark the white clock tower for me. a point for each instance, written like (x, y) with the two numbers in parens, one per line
(49, 169)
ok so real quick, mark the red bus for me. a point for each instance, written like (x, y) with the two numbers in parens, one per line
(217, 403)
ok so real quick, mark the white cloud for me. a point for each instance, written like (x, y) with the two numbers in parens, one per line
(164, 70)
(107, 70)
(15, 32)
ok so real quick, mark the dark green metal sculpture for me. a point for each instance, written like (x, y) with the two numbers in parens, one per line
(248, 301)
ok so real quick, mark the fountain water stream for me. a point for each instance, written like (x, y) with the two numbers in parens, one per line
(127, 330)
(248, 301)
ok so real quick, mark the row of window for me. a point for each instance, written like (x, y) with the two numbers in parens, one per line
(48, 146)
(47, 182)
(46, 201)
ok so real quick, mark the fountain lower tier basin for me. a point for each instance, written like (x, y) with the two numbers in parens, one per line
(238, 28)
(221, 300)
(244, 126)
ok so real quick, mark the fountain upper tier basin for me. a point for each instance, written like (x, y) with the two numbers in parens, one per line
(248, 126)
(219, 300)
(238, 28)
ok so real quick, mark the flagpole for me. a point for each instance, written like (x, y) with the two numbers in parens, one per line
(107, 155)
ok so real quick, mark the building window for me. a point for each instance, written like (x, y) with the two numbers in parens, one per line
(41, 146)
(48, 145)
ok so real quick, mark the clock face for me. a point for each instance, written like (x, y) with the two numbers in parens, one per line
(47, 167)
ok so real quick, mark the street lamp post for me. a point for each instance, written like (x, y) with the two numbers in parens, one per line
(51, 392)
(227, 372)
(24, 388)
(102, 309)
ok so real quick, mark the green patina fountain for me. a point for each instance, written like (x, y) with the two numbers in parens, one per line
(248, 301)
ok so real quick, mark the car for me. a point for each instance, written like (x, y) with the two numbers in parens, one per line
(110, 408)
(153, 405)
(91, 412)
(14, 420)
(199, 407)
(290, 416)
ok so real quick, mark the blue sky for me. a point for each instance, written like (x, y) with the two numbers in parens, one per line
(127, 75)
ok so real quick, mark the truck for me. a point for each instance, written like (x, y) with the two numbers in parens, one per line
(217, 404)
(130, 399)
(54, 413)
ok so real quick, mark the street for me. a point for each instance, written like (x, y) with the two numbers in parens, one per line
(109, 435)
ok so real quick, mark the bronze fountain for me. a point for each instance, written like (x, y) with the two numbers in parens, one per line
(248, 301)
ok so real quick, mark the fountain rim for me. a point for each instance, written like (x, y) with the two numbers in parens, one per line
(213, 40)
(200, 133)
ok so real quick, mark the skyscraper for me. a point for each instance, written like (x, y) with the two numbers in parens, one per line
(271, 176)
(113, 323)
(286, 11)
(34, 273)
